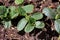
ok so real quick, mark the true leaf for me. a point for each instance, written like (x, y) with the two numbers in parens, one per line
(7, 11)
(21, 24)
(7, 24)
(49, 12)
(39, 24)
(37, 16)
(57, 16)
(58, 9)
(21, 11)
(32, 20)
(28, 28)
(57, 25)
(28, 8)
(19, 1)
(3, 11)
(13, 12)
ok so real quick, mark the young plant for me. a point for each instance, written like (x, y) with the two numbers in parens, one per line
(6, 15)
(3, 16)
(53, 14)
(57, 21)
(31, 20)
(28, 23)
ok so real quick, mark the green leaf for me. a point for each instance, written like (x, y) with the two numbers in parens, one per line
(28, 8)
(58, 9)
(21, 11)
(13, 12)
(37, 16)
(32, 20)
(3, 11)
(39, 24)
(21, 24)
(7, 11)
(19, 1)
(49, 12)
(57, 25)
(57, 16)
(7, 24)
(28, 28)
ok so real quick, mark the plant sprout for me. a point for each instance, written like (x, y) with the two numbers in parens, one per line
(53, 14)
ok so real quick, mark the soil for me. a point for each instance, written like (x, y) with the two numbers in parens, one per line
(47, 33)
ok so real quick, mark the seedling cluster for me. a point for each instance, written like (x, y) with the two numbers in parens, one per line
(28, 23)
(30, 20)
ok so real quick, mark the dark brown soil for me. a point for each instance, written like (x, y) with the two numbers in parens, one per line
(47, 33)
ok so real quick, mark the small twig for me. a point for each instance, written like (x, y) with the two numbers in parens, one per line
(38, 35)
(52, 25)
